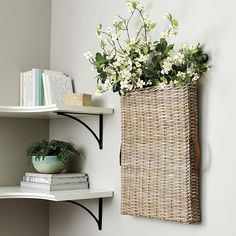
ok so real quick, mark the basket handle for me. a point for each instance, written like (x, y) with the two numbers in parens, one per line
(120, 153)
(197, 153)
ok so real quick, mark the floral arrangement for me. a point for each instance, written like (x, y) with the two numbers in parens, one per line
(138, 62)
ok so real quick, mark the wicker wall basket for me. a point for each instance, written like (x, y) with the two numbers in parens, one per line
(160, 154)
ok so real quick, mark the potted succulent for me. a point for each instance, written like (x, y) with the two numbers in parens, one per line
(50, 156)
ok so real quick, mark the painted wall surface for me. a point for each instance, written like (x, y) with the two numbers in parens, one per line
(211, 22)
(24, 44)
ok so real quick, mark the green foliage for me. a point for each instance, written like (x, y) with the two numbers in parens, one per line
(137, 61)
(63, 150)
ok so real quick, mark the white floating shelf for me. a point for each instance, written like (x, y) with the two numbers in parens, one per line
(49, 112)
(16, 192)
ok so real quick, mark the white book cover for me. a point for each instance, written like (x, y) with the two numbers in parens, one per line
(49, 187)
(56, 86)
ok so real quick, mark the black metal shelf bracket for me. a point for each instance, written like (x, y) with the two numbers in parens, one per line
(99, 138)
(97, 219)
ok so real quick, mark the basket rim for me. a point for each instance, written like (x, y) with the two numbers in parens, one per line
(157, 88)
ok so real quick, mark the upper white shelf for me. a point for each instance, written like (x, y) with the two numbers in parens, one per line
(49, 112)
(13, 192)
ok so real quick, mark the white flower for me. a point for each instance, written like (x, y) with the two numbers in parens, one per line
(140, 83)
(196, 77)
(88, 55)
(110, 71)
(130, 87)
(137, 50)
(179, 57)
(149, 82)
(152, 46)
(119, 58)
(171, 83)
(132, 41)
(190, 71)
(137, 64)
(116, 64)
(108, 57)
(181, 74)
(125, 73)
(139, 71)
(162, 85)
(167, 67)
(124, 84)
(142, 42)
(107, 84)
(143, 58)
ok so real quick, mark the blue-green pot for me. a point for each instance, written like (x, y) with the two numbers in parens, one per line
(48, 164)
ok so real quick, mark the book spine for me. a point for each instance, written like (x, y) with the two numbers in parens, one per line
(56, 180)
(37, 78)
(35, 87)
(50, 176)
(45, 89)
(41, 99)
(69, 187)
(35, 186)
(28, 89)
(53, 187)
(21, 89)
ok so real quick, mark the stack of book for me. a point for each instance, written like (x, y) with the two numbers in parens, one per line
(43, 87)
(53, 182)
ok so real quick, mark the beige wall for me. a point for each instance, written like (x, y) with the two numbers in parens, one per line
(24, 44)
(208, 21)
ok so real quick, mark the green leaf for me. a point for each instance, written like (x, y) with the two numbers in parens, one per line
(102, 44)
(99, 57)
(174, 23)
(98, 29)
(145, 50)
(118, 25)
(168, 16)
(205, 58)
(116, 87)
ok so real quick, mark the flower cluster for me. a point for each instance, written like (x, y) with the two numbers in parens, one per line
(137, 62)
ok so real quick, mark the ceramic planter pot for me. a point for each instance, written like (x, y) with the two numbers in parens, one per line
(48, 164)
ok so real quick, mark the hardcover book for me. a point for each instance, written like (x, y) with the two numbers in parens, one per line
(50, 187)
(55, 88)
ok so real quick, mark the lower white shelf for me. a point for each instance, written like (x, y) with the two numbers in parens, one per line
(10, 192)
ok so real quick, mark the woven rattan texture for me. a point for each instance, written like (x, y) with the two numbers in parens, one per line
(160, 174)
